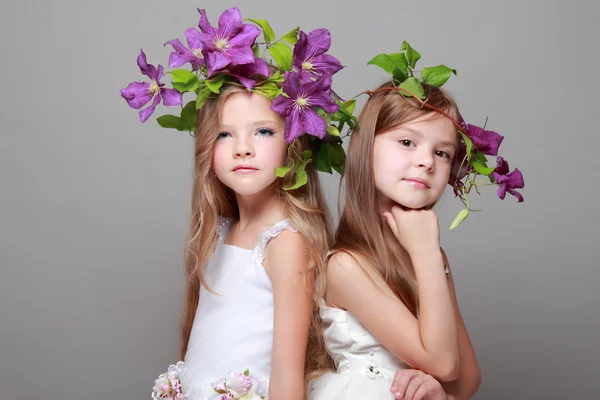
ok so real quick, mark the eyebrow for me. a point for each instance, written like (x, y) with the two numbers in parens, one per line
(257, 123)
(420, 134)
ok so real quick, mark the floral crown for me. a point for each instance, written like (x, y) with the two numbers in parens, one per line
(293, 71)
(472, 170)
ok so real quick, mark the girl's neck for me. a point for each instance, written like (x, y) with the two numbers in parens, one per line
(263, 207)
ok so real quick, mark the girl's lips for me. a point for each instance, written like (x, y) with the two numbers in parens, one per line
(418, 183)
(244, 169)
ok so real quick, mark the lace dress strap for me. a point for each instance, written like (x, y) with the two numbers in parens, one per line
(266, 236)
(223, 226)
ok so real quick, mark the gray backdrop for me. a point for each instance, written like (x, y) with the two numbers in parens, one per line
(94, 205)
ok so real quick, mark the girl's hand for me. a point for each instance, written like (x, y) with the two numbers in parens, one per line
(413, 384)
(418, 231)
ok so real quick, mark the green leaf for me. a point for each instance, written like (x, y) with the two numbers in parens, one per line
(202, 96)
(270, 89)
(468, 143)
(282, 54)
(215, 84)
(182, 75)
(413, 86)
(184, 81)
(301, 179)
(282, 171)
(480, 157)
(247, 372)
(306, 156)
(256, 50)
(322, 160)
(349, 106)
(460, 218)
(333, 131)
(436, 76)
(336, 154)
(339, 168)
(412, 56)
(171, 121)
(189, 116)
(389, 62)
(292, 36)
(399, 75)
(268, 33)
(482, 168)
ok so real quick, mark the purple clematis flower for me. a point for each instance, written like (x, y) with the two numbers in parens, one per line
(192, 53)
(230, 44)
(297, 107)
(138, 94)
(310, 58)
(508, 181)
(487, 142)
(245, 72)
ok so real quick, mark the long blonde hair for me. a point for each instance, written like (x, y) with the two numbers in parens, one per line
(304, 207)
(360, 232)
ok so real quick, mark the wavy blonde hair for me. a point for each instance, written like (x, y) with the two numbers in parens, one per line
(305, 207)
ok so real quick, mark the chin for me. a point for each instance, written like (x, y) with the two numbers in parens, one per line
(249, 188)
(412, 204)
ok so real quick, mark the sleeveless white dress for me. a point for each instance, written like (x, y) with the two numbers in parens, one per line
(234, 329)
(365, 368)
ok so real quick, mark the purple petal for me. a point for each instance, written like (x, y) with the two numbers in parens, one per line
(147, 69)
(501, 166)
(501, 192)
(180, 56)
(239, 56)
(327, 64)
(300, 51)
(518, 195)
(247, 82)
(246, 37)
(160, 73)
(486, 142)
(291, 84)
(282, 105)
(137, 94)
(171, 97)
(145, 114)
(293, 126)
(230, 22)
(516, 180)
(260, 67)
(318, 42)
(245, 72)
(205, 25)
(325, 102)
(193, 38)
(313, 123)
(215, 62)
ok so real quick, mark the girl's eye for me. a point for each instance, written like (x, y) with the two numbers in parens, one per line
(407, 143)
(222, 135)
(442, 154)
(265, 132)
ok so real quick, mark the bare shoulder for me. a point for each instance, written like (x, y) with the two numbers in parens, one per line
(348, 271)
(288, 250)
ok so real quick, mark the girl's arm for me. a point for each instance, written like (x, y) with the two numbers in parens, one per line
(410, 383)
(286, 262)
(469, 375)
(429, 343)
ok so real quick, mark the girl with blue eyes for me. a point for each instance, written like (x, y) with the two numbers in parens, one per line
(253, 252)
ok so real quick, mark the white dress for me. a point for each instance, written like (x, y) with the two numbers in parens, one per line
(232, 330)
(365, 368)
